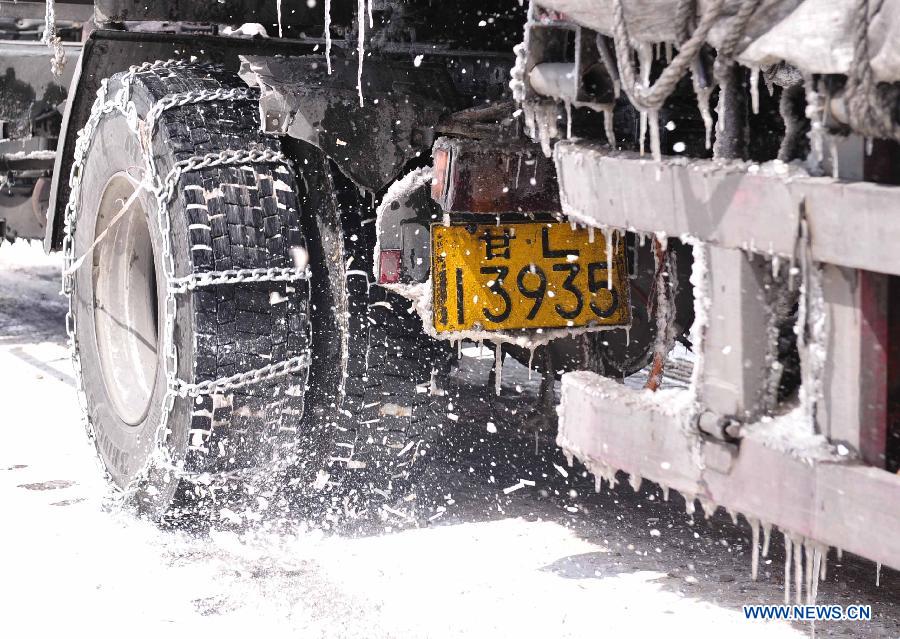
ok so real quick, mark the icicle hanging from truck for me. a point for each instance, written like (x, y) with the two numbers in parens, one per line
(51, 38)
(360, 45)
(328, 35)
(278, 12)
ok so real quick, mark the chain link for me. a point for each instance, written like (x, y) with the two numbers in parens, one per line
(237, 276)
(192, 97)
(239, 380)
(222, 158)
(164, 190)
(182, 99)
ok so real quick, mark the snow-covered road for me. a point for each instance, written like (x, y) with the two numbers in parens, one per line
(552, 560)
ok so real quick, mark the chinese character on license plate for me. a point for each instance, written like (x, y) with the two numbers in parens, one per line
(526, 275)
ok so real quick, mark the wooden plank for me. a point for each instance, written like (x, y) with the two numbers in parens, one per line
(845, 505)
(732, 205)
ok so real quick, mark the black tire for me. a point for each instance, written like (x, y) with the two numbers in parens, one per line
(222, 217)
(388, 417)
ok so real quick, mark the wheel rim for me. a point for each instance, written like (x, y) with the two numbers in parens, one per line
(126, 301)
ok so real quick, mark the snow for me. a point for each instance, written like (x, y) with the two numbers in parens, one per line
(247, 30)
(497, 575)
(520, 565)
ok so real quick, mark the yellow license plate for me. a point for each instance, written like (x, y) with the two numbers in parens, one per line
(525, 275)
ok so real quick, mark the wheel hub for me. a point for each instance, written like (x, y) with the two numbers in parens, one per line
(126, 301)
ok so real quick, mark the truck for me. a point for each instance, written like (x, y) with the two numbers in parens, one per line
(281, 220)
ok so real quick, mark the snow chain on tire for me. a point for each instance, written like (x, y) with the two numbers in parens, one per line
(265, 163)
(389, 418)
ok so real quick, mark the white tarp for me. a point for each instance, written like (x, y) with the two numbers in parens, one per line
(815, 36)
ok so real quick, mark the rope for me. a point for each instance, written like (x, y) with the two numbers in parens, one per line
(737, 28)
(867, 104)
(125, 208)
(651, 98)
(685, 13)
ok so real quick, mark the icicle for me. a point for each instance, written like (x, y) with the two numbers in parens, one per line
(371, 21)
(645, 62)
(51, 38)
(835, 160)
(655, 149)
(709, 507)
(689, 507)
(767, 534)
(498, 367)
(869, 144)
(840, 553)
(635, 481)
(530, 360)
(816, 572)
(823, 574)
(754, 552)
(788, 549)
(810, 570)
(541, 125)
(670, 52)
(590, 230)
(608, 126)
(568, 120)
(643, 133)
(609, 474)
(754, 89)
(459, 349)
(598, 482)
(665, 491)
(361, 46)
(815, 111)
(328, 35)
(798, 570)
(703, 95)
(608, 236)
(733, 515)
(278, 11)
(628, 336)
(878, 575)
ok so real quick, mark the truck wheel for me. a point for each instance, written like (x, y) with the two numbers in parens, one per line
(237, 214)
(388, 417)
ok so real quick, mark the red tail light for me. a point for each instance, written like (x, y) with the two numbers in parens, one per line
(441, 158)
(389, 266)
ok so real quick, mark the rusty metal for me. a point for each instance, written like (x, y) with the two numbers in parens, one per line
(873, 336)
(658, 364)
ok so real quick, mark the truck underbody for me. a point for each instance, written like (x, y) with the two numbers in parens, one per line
(747, 223)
